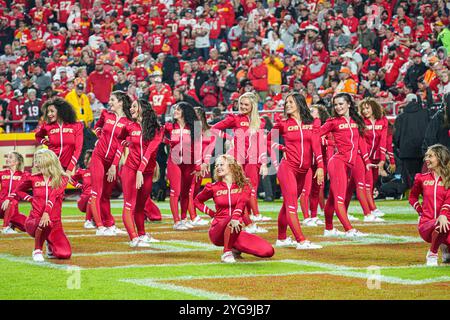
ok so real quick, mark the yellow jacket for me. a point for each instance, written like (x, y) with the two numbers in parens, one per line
(274, 70)
(81, 105)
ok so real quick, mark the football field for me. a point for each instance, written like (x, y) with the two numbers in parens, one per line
(388, 264)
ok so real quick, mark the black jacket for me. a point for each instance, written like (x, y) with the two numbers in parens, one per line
(413, 73)
(409, 131)
(436, 132)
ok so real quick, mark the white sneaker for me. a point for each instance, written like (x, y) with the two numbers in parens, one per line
(333, 233)
(288, 242)
(101, 231)
(180, 226)
(307, 245)
(352, 233)
(37, 256)
(318, 222)
(117, 231)
(352, 218)
(445, 253)
(378, 213)
(199, 222)
(137, 243)
(260, 217)
(432, 259)
(49, 253)
(148, 239)
(309, 222)
(9, 230)
(88, 224)
(188, 224)
(253, 228)
(227, 257)
(372, 218)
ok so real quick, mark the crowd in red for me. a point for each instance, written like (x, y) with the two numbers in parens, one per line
(209, 52)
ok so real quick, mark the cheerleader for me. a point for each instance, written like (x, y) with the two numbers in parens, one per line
(248, 148)
(230, 193)
(434, 211)
(347, 128)
(44, 222)
(9, 180)
(300, 132)
(61, 132)
(105, 159)
(143, 139)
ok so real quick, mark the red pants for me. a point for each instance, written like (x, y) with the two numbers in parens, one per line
(251, 171)
(339, 172)
(13, 216)
(151, 211)
(193, 191)
(134, 201)
(428, 232)
(101, 192)
(84, 205)
(291, 181)
(371, 179)
(358, 181)
(220, 235)
(180, 178)
(312, 194)
(54, 235)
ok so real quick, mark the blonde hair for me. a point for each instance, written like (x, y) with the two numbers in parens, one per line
(255, 121)
(20, 160)
(235, 169)
(443, 156)
(50, 166)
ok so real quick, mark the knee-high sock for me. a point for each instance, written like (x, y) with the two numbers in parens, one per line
(282, 224)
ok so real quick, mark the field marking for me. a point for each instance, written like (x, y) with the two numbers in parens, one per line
(46, 263)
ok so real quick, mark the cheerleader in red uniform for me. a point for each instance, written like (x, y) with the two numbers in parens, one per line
(84, 203)
(105, 159)
(9, 180)
(61, 132)
(230, 193)
(347, 128)
(44, 222)
(248, 148)
(434, 211)
(143, 138)
(300, 132)
(207, 144)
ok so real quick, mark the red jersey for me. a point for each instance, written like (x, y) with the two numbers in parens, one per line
(215, 25)
(436, 199)
(248, 147)
(346, 137)
(9, 181)
(160, 100)
(108, 129)
(65, 140)
(229, 200)
(226, 11)
(63, 8)
(173, 24)
(376, 135)
(44, 196)
(156, 42)
(101, 85)
(15, 109)
(301, 141)
(59, 42)
(83, 175)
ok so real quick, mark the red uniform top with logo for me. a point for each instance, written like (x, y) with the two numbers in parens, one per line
(83, 175)
(161, 100)
(436, 199)
(156, 42)
(346, 137)
(375, 136)
(65, 140)
(249, 147)
(182, 150)
(301, 142)
(63, 8)
(44, 196)
(9, 181)
(101, 85)
(15, 108)
(108, 129)
(216, 24)
(229, 201)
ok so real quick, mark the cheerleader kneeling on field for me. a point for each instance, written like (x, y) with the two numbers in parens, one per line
(231, 193)
(434, 212)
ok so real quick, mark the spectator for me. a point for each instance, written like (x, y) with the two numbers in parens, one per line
(315, 71)
(338, 40)
(14, 113)
(122, 83)
(414, 72)
(444, 37)
(41, 80)
(366, 37)
(216, 116)
(209, 92)
(96, 106)
(274, 68)
(32, 110)
(408, 139)
(347, 83)
(81, 104)
(257, 74)
(227, 83)
(100, 82)
(438, 130)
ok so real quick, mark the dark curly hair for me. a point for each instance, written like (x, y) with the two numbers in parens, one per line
(126, 102)
(65, 111)
(302, 107)
(150, 122)
(202, 117)
(353, 111)
(189, 116)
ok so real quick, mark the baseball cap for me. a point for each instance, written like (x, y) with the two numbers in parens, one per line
(80, 86)
(334, 54)
(400, 85)
(17, 93)
(345, 70)
(375, 84)
(99, 61)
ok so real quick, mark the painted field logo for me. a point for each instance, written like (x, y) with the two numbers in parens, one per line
(373, 278)
(74, 279)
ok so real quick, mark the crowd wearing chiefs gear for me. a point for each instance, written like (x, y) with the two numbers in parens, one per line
(129, 74)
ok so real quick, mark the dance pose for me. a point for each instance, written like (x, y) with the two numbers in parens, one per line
(9, 180)
(434, 211)
(105, 159)
(300, 132)
(230, 193)
(44, 222)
